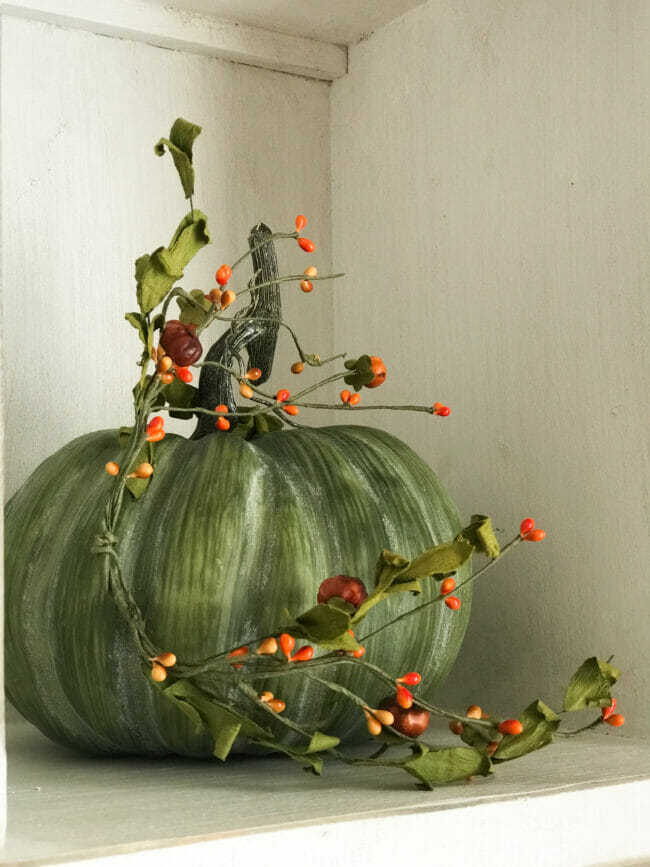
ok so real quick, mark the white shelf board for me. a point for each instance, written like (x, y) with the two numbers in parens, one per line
(580, 801)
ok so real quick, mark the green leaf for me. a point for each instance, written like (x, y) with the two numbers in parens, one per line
(155, 274)
(445, 558)
(589, 686)
(320, 742)
(137, 487)
(481, 535)
(433, 767)
(327, 626)
(399, 586)
(361, 372)
(180, 141)
(539, 723)
(179, 393)
(478, 737)
(138, 321)
(123, 435)
(196, 312)
(223, 724)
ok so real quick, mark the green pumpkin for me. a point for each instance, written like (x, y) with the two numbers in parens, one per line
(229, 534)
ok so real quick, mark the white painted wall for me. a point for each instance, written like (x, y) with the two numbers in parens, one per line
(490, 206)
(84, 195)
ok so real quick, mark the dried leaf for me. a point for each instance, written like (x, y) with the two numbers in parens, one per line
(589, 686)
(433, 767)
(539, 723)
(481, 535)
(180, 141)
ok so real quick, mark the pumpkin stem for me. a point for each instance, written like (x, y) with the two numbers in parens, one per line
(247, 332)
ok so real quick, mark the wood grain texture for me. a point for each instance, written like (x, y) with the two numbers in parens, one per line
(84, 195)
(490, 203)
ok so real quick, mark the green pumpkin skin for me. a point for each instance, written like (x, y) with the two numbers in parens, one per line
(228, 535)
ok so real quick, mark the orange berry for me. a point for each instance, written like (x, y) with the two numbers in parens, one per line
(266, 695)
(227, 298)
(452, 602)
(310, 272)
(156, 423)
(287, 643)
(297, 367)
(223, 275)
(345, 395)
(156, 435)
(354, 399)
(474, 712)
(438, 405)
(306, 245)
(510, 727)
(112, 468)
(379, 369)
(526, 526)
(277, 705)
(158, 672)
(253, 374)
(608, 711)
(412, 678)
(269, 645)
(290, 409)
(385, 717)
(240, 651)
(143, 470)
(282, 394)
(404, 697)
(167, 659)
(359, 652)
(245, 390)
(302, 655)
(223, 424)
(301, 222)
(447, 586)
(167, 378)
(215, 295)
(456, 727)
(374, 726)
(159, 352)
(443, 411)
(164, 364)
(184, 374)
(306, 285)
(535, 536)
(615, 720)
(491, 748)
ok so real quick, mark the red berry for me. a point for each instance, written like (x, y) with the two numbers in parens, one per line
(350, 589)
(283, 394)
(456, 727)
(404, 697)
(615, 720)
(447, 586)
(412, 678)
(302, 655)
(452, 602)
(185, 374)
(526, 526)
(345, 395)
(511, 727)
(287, 643)
(301, 222)
(443, 411)
(156, 423)
(223, 275)
(379, 369)
(608, 711)
(354, 399)
(290, 409)
(535, 536)
(306, 245)
(359, 652)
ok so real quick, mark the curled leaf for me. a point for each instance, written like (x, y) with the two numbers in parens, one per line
(180, 142)
(589, 686)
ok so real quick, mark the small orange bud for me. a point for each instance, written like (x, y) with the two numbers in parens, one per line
(287, 643)
(301, 222)
(167, 378)
(404, 697)
(452, 602)
(143, 471)
(345, 395)
(277, 705)
(374, 726)
(535, 536)
(266, 695)
(223, 424)
(164, 364)
(303, 655)
(385, 717)
(215, 295)
(615, 720)
(526, 526)
(456, 727)
(223, 275)
(306, 245)
(253, 374)
(167, 659)
(359, 652)
(297, 367)
(245, 390)
(473, 712)
(156, 423)
(158, 672)
(354, 399)
(290, 409)
(447, 586)
(240, 651)
(282, 394)
(112, 468)
(156, 435)
(306, 285)
(310, 272)
(269, 645)
(227, 298)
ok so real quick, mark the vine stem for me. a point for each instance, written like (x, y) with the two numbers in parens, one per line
(275, 236)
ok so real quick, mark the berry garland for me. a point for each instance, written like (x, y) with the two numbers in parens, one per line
(203, 689)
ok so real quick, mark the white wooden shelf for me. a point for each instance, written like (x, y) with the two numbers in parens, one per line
(582, 801)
